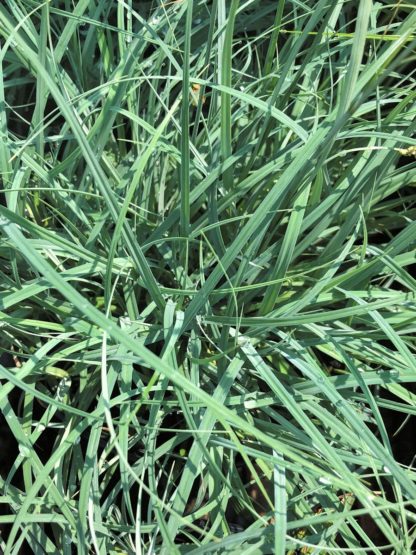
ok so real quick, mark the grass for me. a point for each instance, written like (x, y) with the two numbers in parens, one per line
(206, 300)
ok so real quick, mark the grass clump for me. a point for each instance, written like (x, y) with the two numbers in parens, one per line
(207, 303)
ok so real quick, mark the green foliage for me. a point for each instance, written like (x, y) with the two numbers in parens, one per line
(206, 296)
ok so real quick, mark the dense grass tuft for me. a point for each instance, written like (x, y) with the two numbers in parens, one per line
(206, 301)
